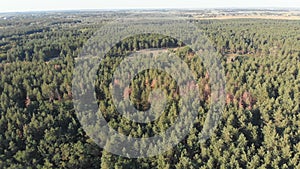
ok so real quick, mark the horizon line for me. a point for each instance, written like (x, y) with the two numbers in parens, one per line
(147, 9)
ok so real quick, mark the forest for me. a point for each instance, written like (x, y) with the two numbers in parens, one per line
(39, 128)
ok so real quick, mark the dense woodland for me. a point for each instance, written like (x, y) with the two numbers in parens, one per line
(259, 127)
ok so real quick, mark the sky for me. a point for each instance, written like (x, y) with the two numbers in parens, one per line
(42, 5)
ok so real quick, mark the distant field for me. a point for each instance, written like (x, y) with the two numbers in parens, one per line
(252, 17)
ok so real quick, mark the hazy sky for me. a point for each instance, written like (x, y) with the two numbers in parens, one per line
(38, 5)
